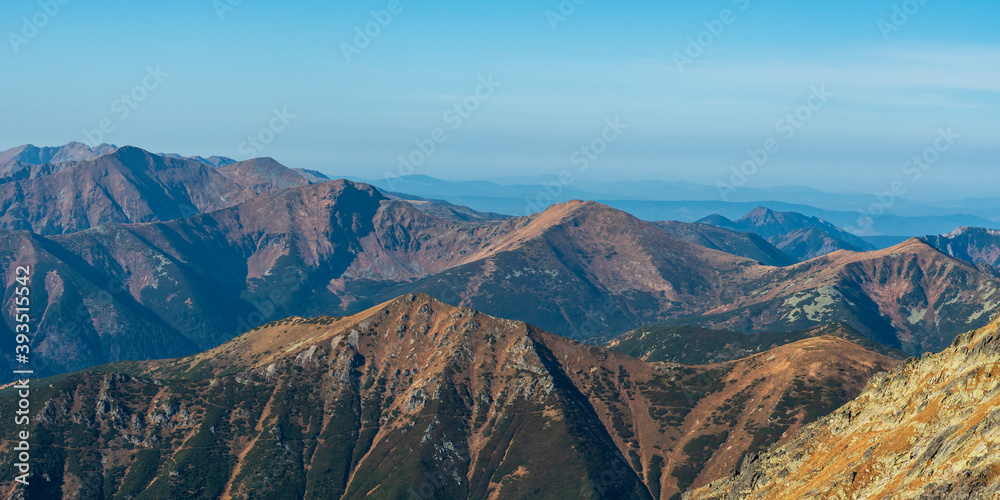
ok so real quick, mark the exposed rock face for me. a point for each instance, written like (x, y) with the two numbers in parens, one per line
(971, 244)
(127, 185)
(929, 430)
(800, 236)
(418, 398)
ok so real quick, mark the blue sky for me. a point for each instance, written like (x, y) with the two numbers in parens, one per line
(895, 83)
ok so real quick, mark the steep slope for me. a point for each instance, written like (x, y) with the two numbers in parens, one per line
(261, 175)
(128, 185)
(799, 236)
(694, 345)
(971, 244)
(931, 429)
(418, 398)
(747, 245)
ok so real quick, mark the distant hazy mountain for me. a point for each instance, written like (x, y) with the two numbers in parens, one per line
(445, 210)
(687, 202)
(747, 245)
(799, 236)
(212, 161)
(648, 190)
(971, 244)
(415, 398)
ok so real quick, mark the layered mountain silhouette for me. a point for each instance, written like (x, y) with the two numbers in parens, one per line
(418, 398)
(930, 429)
(399, 387)
(684, 201)
(580, 269)
(800, 236)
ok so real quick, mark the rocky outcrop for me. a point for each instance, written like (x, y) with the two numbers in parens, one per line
(929, 430)
(972, 244)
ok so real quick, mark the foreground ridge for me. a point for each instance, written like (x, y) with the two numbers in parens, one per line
(415, 398)
(929, 430)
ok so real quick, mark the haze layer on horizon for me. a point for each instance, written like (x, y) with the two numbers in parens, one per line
(834, 96)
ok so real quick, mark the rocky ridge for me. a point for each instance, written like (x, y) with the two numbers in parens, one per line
(929, 430)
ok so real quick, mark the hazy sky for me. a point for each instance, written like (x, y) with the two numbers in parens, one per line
(697, 84)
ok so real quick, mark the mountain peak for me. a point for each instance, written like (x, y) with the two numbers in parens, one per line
(263, 174)
(763, 215)
(261, 347)
(130, 152)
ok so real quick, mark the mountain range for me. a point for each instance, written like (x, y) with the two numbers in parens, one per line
(223, 329)
(796, 235)
(264, 244)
